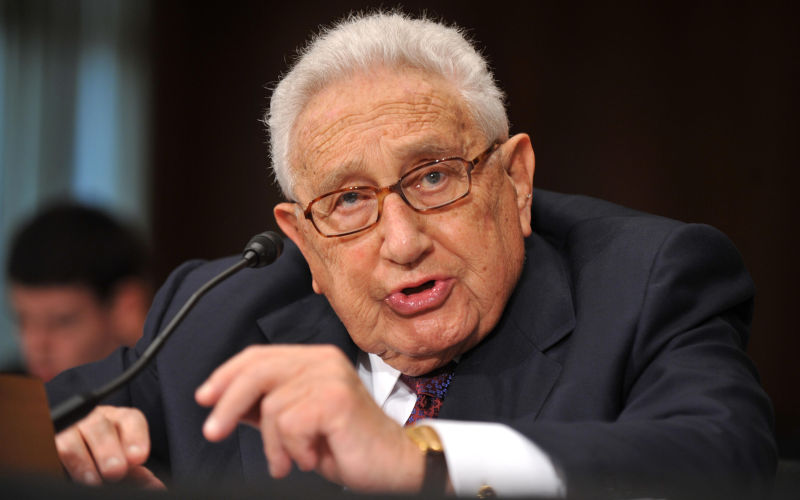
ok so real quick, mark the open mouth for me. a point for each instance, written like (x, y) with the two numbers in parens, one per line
(420, 298)
(416, 289)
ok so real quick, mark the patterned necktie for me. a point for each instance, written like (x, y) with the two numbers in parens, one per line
(431, 389)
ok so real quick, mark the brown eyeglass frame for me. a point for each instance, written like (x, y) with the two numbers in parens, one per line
(382, 192)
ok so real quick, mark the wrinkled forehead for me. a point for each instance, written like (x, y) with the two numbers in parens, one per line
(372, 125)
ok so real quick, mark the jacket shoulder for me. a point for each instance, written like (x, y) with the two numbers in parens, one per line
(557, 217)
(250, 293)
(601, 242)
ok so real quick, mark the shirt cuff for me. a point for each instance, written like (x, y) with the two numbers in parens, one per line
(481, 454)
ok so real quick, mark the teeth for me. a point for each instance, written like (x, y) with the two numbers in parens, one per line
(417, 289)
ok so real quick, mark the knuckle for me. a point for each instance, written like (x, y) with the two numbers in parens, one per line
(337, 391)
(69, 458)
(286, 424)
(87, 422)
(273, 449)
(132, 417)
(64, 441)
(331, 352)
(267, 408)
(96, 419)
(74, 463)
(258, 371)
(68, 447)
(252, 351)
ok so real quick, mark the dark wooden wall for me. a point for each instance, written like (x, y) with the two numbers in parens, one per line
(688, 111)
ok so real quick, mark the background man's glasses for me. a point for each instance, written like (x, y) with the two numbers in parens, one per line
(429, 186)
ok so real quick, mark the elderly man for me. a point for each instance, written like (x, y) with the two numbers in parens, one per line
(595, 349)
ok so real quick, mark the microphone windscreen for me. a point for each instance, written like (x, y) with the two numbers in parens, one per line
(263, 249)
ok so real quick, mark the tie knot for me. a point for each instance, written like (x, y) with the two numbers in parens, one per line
(433, 384)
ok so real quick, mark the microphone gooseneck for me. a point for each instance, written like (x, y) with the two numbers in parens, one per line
(262, 249)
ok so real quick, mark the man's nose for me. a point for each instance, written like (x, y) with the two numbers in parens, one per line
(403, 230)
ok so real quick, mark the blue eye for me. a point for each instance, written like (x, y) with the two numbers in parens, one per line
(348, 199)
(436, 177)
(433, 177)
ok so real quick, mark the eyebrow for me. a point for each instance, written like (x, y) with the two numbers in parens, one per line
(425, 150)
(338, 178)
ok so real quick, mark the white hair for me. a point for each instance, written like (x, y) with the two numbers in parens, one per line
(364, 41)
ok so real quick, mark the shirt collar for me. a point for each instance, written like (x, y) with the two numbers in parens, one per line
(377, 376)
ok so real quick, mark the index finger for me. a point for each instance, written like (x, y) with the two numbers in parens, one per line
(217, 383)
(237, 398)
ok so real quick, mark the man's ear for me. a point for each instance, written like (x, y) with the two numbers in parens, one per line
(289, 218)
(520, 165)
(128, 309)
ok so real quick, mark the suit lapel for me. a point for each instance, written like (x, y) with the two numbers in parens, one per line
(310, 320)
(510, 375)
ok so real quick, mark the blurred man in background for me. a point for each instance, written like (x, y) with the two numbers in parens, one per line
(79, 287)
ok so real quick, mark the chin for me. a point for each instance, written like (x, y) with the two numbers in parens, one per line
(414, 366)
(419, 345)
(416, 360)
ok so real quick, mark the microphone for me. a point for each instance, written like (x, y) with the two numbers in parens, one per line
(262, 249)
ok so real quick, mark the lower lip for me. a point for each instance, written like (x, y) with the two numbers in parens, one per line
(425, 300)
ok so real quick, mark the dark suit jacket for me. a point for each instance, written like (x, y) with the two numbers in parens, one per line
(620, 353)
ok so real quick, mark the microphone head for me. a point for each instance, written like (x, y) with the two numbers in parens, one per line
(263, 249)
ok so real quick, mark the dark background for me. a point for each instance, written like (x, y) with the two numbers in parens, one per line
(685, 110)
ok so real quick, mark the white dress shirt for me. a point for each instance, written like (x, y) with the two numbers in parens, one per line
(478, 454)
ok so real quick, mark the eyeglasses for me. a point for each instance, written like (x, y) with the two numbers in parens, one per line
(427, 187)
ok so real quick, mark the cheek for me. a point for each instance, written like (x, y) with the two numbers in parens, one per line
(349, 264)
(321, 259)
(84, 335)
(485, 228)
(498, 256)
(31, 342)
(343, 275)
(361, 256)
(502, 214)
